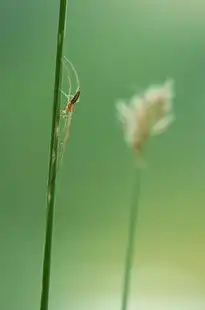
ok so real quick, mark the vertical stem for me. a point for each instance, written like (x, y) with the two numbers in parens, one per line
(53, 159)
(130, 246)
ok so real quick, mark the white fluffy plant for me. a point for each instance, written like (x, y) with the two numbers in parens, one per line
(147, 114)
(142, 116)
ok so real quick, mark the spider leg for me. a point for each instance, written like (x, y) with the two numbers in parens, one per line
(62, 142)
(65, 115)
(68, 76)
(67, 61)
(68, 96)
(62, 114)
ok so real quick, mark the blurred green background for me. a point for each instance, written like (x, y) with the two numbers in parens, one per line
(118, 47)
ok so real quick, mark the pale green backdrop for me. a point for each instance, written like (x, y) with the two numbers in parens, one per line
(118, 47)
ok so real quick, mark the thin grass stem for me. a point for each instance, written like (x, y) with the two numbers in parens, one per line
(53, 159)
(131, 243)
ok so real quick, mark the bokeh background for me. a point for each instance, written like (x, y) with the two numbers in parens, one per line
(118, 47)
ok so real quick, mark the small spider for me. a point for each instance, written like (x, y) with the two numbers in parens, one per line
(71, 100)
(70, 103)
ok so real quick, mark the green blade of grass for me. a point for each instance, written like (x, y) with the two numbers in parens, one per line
(53, 159)
(131, 243)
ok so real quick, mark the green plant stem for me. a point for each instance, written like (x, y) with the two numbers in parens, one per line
(53, 159)
(131, 244)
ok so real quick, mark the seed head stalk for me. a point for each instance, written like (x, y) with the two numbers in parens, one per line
(131, 243)
(53, 158)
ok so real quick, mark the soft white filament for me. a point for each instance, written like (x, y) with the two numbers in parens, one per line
(147, 114)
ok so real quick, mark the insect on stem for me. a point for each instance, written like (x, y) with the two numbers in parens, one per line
(66, 113)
